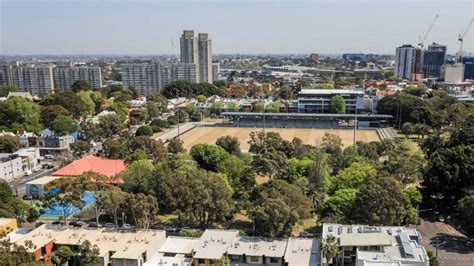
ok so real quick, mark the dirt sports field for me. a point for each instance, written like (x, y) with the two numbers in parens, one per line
(308, 135)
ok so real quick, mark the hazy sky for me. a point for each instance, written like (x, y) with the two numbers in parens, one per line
(246, 26)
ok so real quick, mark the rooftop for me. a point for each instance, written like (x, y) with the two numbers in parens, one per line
(364, 239)
(214, 243)
(256, 246)
(5, 221)
(302, 251)
(330, 91)
(106, 167)
(43, 180)
(181, 245)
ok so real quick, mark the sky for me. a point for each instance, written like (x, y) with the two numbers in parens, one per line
(147, 27)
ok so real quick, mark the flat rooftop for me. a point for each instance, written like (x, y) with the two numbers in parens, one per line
(330, 91)
(180, 245)
(302, 252)
(304, 115)
(214, 243)
(42, 180)
(365, 239)
(5, 221)
(256, 246)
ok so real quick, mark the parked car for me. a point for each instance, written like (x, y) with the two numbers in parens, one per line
(170, 229)
(94, 225)
(109, 225)
(305, 234)
(156, 226)
(127, 226)
(49, 157)
(28, 172)
(441, 218)
(27, 197)
(48, 166)
(75, 223)
(37, 169)
(59, 222)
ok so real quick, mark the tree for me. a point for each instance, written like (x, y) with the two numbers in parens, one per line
(137, 177)
(208, 156)
(144, 209)
(285, 93)
(412, 199)
(432, 258)
(466, 212)
(408, 129)
(175, 145)
(330, 248)
(337, 105)
(196, 196)
(113, 201)
(49, 113)
(80, 85)
(19, 114)
(201, 98)
(353, 176)
(405, 163)
(341, 203)
(62, 255)
(272, 163)
(80, 147)
(4, 90)
(153, 148)
(230, 144)
(273, 218)
(136, 155)
(9, 144)
(88, 253)
(113, 149)
(63, 125)
(273, 107)
(144, 131)
(110, 125)
(380, 201)
(240, 174)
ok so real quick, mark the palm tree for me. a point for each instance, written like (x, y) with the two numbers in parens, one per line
(330, 249)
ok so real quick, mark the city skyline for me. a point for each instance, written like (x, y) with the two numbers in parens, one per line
(148, 28)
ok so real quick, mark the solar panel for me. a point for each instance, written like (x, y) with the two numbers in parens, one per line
(406, 245)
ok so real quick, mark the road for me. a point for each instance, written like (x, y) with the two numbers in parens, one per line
(455, 249)
(18, 184)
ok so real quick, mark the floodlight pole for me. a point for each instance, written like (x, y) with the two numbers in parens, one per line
(355, 128)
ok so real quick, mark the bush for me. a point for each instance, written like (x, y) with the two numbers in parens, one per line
(144, 131)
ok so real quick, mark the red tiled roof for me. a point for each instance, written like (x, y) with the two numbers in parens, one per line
(91, 163)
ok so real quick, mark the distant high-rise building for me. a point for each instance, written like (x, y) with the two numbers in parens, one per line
(468, 62)
(153, 76)
(189, 49)
(198, 51)
(205, 58)
(144, 77)
(65, 76)
(216, 68)
(36, 80)
(433, 60)
(407, 61)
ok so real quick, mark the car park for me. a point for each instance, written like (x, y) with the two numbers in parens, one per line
(59, 222)
(94, 225)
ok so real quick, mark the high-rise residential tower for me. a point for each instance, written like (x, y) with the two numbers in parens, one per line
(205, 58)
(198, 51)
(407, 61)
(433, 60)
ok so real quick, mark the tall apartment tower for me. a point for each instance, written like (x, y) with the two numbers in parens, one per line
(189, 50)
(144, 77)
(205, 58)
(198, 51)
(433, 60)
(407, 61)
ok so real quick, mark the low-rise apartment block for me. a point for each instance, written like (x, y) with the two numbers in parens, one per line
(361, 245)
(19, 163)
(319, 100)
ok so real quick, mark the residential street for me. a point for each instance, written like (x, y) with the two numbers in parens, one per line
(455, 249)
(18, 185)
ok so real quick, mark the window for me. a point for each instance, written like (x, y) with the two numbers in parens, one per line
(254, 258)
(273, 260)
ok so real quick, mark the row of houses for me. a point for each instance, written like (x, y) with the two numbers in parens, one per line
(358, 245)
(19, 163)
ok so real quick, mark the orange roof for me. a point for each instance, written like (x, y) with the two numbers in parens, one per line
(91, 163)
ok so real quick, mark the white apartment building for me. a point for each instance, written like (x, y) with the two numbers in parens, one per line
(11, 166)
(189, 50)
(318, 100)
(362, 245)
(405, 61)
(178, 71)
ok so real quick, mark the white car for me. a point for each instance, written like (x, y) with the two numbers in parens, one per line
(28, 172)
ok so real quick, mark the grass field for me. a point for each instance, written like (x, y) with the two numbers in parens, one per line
(307, 135)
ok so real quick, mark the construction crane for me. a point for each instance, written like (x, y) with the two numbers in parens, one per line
(422, 40)
(461, 40)
(175, 48)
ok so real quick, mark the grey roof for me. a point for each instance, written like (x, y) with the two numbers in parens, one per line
(302, 251)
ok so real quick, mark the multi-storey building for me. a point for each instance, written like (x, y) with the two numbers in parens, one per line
(216, 69)
(153, 76)
(64, 77)
(433, 60)
(318, 100)
(45, 79)
(361, 245)
(144, 77)
(205, 58)
(408, 60)
(198, 51)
